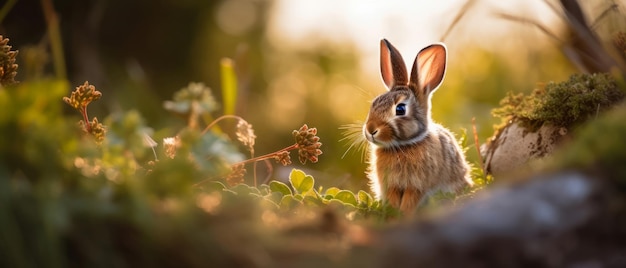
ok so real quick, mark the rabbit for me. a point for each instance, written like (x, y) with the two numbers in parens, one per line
(410, 155)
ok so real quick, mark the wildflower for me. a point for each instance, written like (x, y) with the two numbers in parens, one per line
(82, 96)
(308, 144)
(236, 175)
(8, 67)
(283, 158)
(97, 130)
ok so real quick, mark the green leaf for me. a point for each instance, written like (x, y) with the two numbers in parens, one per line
(268, 203)
(312, 201)
(256, 195)
(215, 186)
(265, 189)
(289, 202)
(332, 191)
(277, 186)
(301, 182)
(244, 189)
(345, 207)
(228, 193)
(365, 198)
(275, 197)
(229, 85)
(346, 197)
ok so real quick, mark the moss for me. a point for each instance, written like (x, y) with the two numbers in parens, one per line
(599, 147)
(563, 104)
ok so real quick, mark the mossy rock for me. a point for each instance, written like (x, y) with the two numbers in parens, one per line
(515, 145)
(564, 104)
(536, 124)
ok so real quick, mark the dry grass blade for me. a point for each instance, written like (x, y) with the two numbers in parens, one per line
(531, 22)
(604, 14)
(592, 55)
(477, 145)
(582, 47)
(458, 18)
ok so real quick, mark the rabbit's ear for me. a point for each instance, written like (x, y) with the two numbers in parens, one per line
(429, 68)
(392, 67)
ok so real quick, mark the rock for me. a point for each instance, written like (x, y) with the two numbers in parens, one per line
(553, 220)
(515, 145)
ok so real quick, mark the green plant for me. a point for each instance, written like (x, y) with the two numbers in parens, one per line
(196, 101)
(562, 104)
(302, 193)
(99, 194)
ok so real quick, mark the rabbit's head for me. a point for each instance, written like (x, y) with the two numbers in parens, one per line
(401, 116)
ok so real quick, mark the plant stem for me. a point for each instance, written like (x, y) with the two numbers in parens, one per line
(480, 157)
(267, 156)
(206, 129)
(193, 116)
(253, 167)
(83, 111)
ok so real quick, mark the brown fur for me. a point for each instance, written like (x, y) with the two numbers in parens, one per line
(407, 173)
(411, 156)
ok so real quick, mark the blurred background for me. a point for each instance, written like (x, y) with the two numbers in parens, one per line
(298, 61)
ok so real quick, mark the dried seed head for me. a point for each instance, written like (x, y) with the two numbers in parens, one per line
(170, 145)
(236, 175)
(82, 96)
(8, 67)
(283, 158)
(308, 144)
(245, 134)
(97, 130)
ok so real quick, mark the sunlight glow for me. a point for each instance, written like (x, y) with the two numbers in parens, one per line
(408, 25)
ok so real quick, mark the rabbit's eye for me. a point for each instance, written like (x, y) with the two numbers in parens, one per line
(401, 109)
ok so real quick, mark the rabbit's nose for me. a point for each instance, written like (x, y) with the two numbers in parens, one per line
(371, 129)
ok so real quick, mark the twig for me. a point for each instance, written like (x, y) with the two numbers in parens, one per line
(56, 42)
(207, 128)
(531, 22)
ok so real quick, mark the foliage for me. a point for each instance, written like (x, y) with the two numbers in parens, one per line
(562, 104)
(599, 148)
(301, 193)
(101, 194)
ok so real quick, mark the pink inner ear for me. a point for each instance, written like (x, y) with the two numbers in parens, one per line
(385, 66)
(392, 67)
(429, 68)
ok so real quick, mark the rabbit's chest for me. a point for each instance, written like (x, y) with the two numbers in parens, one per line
(413, 168)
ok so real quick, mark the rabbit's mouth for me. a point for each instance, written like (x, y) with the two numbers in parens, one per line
(374, 139)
